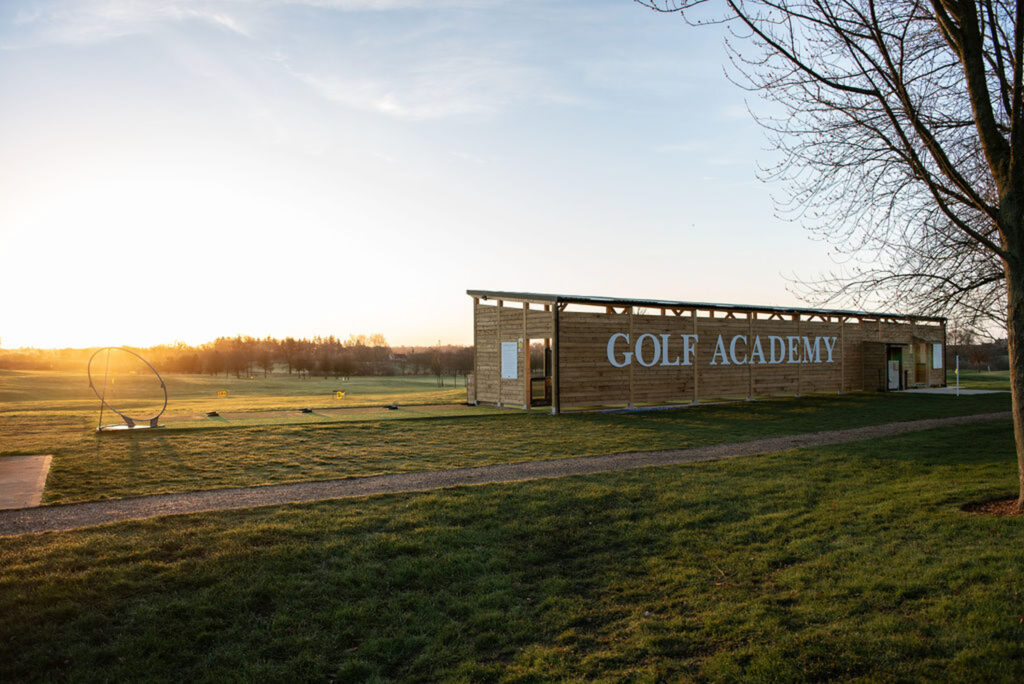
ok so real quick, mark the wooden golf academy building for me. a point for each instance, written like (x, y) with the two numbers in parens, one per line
(590, 352)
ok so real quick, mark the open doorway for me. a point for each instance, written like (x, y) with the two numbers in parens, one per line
(894, 368)
(920, 363)
(539, 372)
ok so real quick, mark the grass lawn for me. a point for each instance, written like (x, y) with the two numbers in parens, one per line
(67, 391)
(971, 379)
(847, 562)
(88, 466)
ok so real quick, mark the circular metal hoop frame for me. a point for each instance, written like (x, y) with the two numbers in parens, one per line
(131, 421)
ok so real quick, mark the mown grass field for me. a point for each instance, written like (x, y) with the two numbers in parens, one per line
(189, 394)
(90, 466)
(851, 562)
(847, 562)
(988, 380)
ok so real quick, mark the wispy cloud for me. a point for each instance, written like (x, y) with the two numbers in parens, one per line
(420, 66)
(93, 21)
(383, 5)
(458, 86)
(727, 161)
(684, 147)
(434, 66)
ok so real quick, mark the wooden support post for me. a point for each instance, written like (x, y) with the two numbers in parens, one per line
(556, 402)
(842, 354)
(476, 348)
(945, 347)
(750, 366)
(629, 312)
(497, 343)
(696, 372)
(799, 365)
(527, 381)
(548, 363)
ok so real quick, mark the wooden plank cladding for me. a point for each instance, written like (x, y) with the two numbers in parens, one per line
(496, 325)
(629, 352)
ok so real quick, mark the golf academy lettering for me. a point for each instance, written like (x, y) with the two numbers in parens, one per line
(664, 350)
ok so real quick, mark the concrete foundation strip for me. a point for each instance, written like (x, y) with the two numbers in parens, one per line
(22, 479)
(72, 516)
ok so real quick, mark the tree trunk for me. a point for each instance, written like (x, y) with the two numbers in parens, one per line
(1015, 340)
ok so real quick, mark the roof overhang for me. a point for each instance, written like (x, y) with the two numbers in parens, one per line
(543, 298)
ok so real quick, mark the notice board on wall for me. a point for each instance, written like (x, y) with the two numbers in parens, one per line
(936, 356)
(509, 360)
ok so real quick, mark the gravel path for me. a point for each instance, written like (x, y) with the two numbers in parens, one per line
(71, 516)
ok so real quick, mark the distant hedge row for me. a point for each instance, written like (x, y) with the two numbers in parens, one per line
(242, 355)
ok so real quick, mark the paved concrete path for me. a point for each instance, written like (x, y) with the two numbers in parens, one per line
(71, 516)
(22, 479)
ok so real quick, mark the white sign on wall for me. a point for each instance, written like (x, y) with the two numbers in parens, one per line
(509, 360)
(663, 350)
(936, 356)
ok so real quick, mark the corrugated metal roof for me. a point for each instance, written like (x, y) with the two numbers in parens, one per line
(538, 297)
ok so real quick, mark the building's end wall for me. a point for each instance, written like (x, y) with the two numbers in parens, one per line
(495, 324)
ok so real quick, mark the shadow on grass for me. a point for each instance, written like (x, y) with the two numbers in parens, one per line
(817, 564)
(989, 443)
(1000, 506)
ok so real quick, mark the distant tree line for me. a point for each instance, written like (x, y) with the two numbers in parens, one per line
(988, 355)
(244, 356)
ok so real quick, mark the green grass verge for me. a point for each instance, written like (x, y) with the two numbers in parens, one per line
(61, 390)
(294, 417)
(848, 562)
(988, 380)
(88, 466)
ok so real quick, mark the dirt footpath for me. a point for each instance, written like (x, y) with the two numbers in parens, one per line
(72, 516)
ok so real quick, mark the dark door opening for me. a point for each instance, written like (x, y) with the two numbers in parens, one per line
(540, 372)
(894, 369)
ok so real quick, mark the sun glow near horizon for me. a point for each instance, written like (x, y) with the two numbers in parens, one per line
(162, 254)
(204, 169)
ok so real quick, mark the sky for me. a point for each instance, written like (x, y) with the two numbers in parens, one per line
(179, 170)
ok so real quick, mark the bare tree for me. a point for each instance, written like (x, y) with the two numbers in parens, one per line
(901, 134)
(437, 366)
(938, 273)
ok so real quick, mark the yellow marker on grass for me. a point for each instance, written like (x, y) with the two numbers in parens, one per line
(222, 393)
(339, 395)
